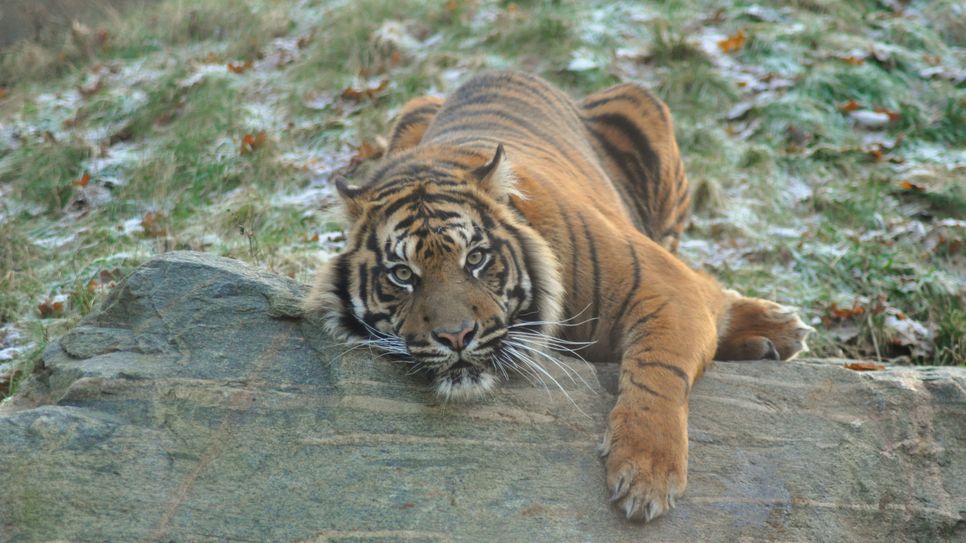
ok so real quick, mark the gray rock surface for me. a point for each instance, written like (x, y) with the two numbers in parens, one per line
(196, 406)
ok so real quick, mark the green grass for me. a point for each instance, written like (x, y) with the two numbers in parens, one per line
(168, 150)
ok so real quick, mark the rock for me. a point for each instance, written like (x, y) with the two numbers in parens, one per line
(196, 406)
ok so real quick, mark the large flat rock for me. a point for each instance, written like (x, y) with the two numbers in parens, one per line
(197, 406)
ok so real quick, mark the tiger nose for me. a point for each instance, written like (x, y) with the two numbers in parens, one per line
(455, 337)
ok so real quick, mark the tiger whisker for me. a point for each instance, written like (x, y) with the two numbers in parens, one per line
(569, 371)
(535, 365)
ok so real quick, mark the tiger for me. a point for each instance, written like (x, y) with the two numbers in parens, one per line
(508, 213)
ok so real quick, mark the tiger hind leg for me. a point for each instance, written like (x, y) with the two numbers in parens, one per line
(632, 133)
(411, 123)
(755, 329)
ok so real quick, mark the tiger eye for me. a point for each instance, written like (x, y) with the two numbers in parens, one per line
(402, 274)
(474, 258)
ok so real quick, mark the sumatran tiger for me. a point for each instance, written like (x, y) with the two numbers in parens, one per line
(508, 209)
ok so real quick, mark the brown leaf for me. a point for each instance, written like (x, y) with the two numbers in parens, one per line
(50, 308)
(352, 93)
(734, 42)
(3, 92)
(252, 142)
(240, 68)
(365, 152)
(893, 115)
(101, 36)
(905, 184)
(864, 366)
(151, 223)
(83, 181)
(91, 87)
(849, 106)
(846, 312)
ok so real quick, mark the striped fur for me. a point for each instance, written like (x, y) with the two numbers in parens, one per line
(573, 210)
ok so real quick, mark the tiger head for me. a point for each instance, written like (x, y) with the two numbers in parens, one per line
(440, 270)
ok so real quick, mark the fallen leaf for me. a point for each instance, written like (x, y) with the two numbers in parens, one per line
(83, 181)
(865, 366)
(252, 142)
(151, 224)
(849, 106)
(353, 93)
(51, 307)
(846, 312)
(3, 92)
(894, 116)
(905, 184)
(855, 57)
(734, 42)
(240, 68)
(365, 152)
(91, 87)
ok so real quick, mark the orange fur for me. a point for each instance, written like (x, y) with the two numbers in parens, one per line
(601, 182)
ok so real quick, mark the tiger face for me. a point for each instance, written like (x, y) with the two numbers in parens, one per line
(442, 273)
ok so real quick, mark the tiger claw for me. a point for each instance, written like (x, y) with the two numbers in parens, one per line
(620, 489)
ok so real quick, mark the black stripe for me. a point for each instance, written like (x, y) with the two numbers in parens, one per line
(673, 369)
(646, 319)
(634, 176)
(610, 95)
(644, 387)
(553, 108)
(593, 258)
(639, 142)
(573, 294)
(635, 286)
(420, 115)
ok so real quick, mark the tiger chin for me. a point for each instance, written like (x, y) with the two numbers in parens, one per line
(510, 208)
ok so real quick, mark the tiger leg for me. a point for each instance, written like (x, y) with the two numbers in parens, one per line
(755, 329)
(633, 135)
(411, 123)
(669, 339)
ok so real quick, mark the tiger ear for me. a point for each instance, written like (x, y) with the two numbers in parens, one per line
(496, 177)
(351, 199)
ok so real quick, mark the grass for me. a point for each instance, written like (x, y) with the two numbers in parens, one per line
(793, 199)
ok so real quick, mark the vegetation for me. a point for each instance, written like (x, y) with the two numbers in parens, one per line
(825, 143)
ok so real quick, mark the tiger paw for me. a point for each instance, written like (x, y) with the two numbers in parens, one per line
(761, 329)
(646, 461)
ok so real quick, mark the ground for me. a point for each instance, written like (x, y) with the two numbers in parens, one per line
(825, 143)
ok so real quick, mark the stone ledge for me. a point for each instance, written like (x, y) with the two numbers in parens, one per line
(193, 407)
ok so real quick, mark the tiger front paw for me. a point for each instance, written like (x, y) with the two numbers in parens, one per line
(761, 329)
(646, 460)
